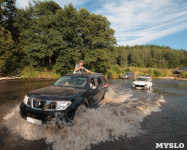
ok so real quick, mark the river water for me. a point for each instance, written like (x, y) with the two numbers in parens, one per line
(126, 119)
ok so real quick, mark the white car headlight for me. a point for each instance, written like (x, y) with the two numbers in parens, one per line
(25, 99)
(133, 84)
(62, 105)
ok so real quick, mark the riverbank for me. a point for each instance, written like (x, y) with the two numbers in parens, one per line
(171, 78)
(9, 78)
(15, 78)
(115, 72)
(31, 73)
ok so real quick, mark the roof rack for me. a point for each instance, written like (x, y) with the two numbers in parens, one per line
(87, 74)
(97, 73)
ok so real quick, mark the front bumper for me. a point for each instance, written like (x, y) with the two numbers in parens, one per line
(140, 87)
(44, 116)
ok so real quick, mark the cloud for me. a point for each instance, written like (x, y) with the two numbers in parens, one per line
(135, 21)
(138, 22)
(24, 3)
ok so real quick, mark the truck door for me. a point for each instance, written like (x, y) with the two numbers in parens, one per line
(93, 94)
(101, 88)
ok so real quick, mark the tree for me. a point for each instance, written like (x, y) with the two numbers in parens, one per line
(46, 35)
(7, 16)
(10, 54)
(44, 39)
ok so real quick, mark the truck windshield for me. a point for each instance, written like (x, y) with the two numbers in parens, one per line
(142, 79)
(72, 81)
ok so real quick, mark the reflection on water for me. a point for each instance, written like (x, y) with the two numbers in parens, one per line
(15, 89)
(120, 115)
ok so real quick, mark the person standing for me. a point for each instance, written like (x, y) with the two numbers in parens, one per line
(79, 68)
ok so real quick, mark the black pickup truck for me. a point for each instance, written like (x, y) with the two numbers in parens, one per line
(64, 97)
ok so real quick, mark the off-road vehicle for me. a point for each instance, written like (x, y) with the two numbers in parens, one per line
(64, 97)
(142, 82)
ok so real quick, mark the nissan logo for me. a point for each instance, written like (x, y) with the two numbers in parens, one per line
(37, 104)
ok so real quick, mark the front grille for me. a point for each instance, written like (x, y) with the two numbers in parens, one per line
(139, 85)
(52, 105)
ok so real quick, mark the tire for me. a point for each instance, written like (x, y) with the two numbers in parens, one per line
(80, 110)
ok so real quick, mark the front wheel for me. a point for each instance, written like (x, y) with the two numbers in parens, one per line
(79, 112)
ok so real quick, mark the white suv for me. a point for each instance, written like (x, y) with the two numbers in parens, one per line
(142, 82)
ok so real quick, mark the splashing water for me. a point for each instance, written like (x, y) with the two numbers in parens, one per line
(119, 115)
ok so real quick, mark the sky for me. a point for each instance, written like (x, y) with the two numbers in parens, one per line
(139, 22)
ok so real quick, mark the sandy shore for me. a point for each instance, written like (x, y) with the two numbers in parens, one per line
(9, 78)
(172, 78)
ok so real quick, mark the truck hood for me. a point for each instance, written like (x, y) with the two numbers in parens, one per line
(56, 93)
(140, 82)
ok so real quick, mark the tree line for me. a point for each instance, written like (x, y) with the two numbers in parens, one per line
(45, 35)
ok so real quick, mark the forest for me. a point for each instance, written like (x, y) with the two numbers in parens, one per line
(45, 36)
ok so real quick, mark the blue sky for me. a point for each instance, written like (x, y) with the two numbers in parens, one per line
(160, 22)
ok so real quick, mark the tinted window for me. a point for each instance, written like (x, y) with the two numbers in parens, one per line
(99, 81)
(72, 81)
(104, 80)
(92, 82)
(142, 79)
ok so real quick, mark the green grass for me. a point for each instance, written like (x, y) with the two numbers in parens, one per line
(152, 72)
(115, 72)
(29, 72)
(183, 75)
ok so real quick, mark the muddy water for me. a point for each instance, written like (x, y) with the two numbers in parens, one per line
(126, 119)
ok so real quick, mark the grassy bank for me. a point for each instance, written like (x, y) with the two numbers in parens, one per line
(116, 71)
(113, 73)
(183, 75)
(28, 72)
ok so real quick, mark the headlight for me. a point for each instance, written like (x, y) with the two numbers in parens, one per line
(133, 84)
(146, 85)
(25, 99)
(62, 105)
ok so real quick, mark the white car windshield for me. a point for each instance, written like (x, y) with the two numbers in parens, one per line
(72, 81)
(142, 79)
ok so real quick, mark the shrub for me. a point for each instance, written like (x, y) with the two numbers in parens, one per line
(183, 75)
(111, 74)
(117, 69)
(157, 73)
(127, 70)
(150, 72)
(29, 72)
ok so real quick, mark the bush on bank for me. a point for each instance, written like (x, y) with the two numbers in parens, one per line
(29, 72)
(183, 75)
(115, 72)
